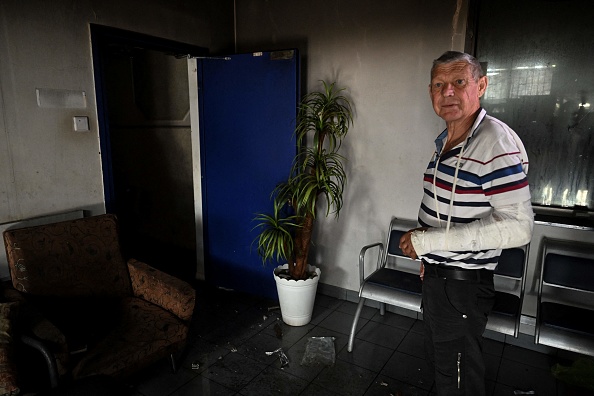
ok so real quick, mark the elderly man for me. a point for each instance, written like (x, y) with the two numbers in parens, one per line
(476, 202)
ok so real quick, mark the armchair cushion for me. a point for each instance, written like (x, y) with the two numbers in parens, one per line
(70, 258)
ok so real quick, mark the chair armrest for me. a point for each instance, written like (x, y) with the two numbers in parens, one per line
(164, 290)
(33, 323)
(10, 294)
(362, 259)
(8, 367)
(48, 356)
(32, 329)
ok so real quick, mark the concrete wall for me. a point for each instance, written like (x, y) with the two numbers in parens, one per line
(46, 167)
(382, 52)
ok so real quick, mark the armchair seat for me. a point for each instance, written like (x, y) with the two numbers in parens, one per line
(143, 332)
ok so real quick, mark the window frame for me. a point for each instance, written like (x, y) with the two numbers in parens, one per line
(576, 216)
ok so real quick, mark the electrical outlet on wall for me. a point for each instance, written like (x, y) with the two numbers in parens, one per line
(81, 123)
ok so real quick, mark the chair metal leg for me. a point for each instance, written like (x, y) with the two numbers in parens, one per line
(354, 326)
(382, 308)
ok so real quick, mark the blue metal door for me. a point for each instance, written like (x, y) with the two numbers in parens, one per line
(248, 105)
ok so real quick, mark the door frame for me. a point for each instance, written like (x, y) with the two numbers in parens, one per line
(101, 38)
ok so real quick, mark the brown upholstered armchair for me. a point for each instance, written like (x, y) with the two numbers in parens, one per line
(88, 310)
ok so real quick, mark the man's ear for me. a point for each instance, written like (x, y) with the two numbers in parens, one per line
(483, 82)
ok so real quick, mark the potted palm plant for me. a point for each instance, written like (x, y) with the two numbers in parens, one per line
(317, 171)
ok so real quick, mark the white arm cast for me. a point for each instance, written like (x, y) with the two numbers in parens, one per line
(507, 226)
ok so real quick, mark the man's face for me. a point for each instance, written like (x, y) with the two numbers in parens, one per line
(454, 93)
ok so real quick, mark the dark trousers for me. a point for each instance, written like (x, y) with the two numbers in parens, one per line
(455, 316)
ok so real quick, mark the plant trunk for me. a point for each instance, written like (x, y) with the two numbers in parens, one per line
(302, 243)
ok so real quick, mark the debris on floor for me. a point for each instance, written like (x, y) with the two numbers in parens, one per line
(319, 350)
(284, 360)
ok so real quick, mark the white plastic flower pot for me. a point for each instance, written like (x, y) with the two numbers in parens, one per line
(296, 298)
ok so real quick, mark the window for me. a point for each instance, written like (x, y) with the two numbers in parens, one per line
(539, 57)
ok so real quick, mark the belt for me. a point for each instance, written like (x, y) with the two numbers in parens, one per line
(456, 273)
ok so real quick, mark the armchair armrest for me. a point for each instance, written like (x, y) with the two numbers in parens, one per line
(380, 256)
(8, 369)
(10, 294)
(33, 330)
(164, 290)
(34, 325)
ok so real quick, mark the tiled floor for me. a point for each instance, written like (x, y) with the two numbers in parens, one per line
(232, 334)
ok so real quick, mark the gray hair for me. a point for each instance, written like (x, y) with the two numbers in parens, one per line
(455, 56)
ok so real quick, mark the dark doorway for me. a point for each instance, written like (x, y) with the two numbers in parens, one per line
(143, 106)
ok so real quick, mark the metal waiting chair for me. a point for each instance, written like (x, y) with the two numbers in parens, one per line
(566, 297)
(394, 281)
(510, 280)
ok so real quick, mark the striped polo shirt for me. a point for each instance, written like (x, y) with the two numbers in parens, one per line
(492, 171)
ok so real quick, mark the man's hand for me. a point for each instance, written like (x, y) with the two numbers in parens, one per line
(406, 244)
